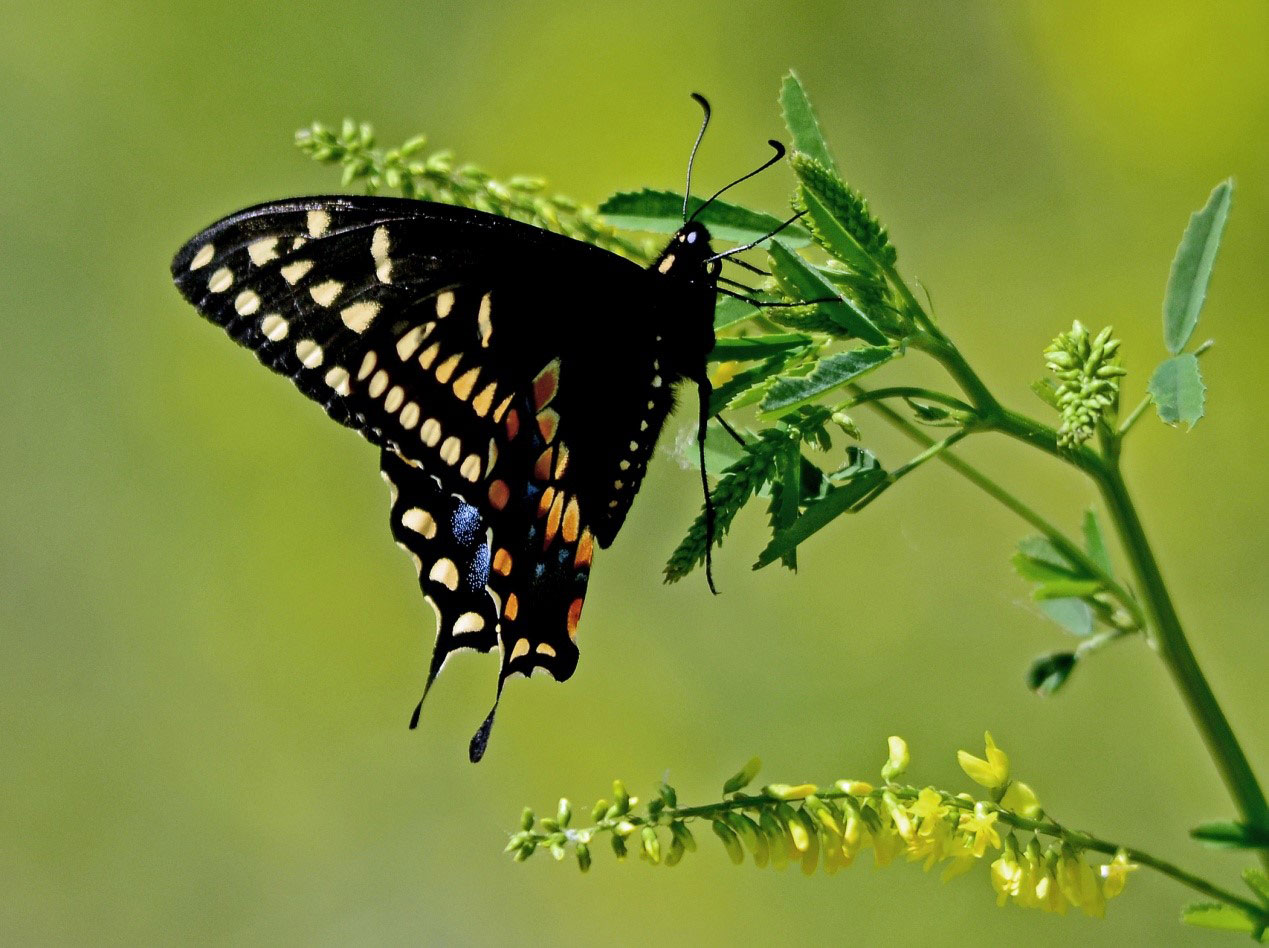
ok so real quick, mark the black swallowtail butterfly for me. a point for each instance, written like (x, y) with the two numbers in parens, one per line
(515, 381)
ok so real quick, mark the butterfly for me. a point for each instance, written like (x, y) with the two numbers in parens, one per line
(514, 380)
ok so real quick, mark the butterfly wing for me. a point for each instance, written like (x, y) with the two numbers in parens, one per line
(436, 332)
